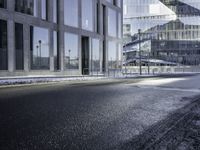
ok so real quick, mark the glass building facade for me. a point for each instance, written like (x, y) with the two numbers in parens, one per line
(170, 31)
(66, 37)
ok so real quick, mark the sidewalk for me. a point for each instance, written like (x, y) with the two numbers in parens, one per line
(44, 79)
(22, 80)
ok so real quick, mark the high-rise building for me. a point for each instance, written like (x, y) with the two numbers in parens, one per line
(170, 31)
(59, 37)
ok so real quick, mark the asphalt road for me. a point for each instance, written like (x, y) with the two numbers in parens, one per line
(89, 116)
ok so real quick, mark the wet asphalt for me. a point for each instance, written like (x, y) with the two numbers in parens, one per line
(81, 116)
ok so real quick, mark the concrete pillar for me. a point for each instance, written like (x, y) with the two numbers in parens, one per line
(50, 10)
(27, 58)
(11, 45)
(51, 49)
(80, 38)
(106, 39)
(61, 37)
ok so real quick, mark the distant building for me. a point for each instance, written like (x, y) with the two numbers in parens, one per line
(171, 27)
(59, 37)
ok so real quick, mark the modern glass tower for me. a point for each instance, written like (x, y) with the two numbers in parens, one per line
(59, 37)
(170, 30)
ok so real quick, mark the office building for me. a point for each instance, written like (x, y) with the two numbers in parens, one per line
(59, 37)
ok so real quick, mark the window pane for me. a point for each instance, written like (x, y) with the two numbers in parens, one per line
(55, 5)
(24, 6)
(112, 21)
(95, 55)
(3, 46)
(44, 9)
(87, 15)
(19, 48)
(120, 54)
(71, 51)
(118, 3)
(112, 55)
(110, 1)
(55, 50)
(39, 48)
(119, 26)
(71, 12)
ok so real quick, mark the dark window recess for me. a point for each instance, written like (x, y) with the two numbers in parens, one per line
(2, 3)
(24, 6)
(19, 48)
(3, 46)
(97, 18)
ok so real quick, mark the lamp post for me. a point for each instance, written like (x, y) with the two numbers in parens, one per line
(125, 57)
(37, 47)
(149, 62)
(140, 57)
(40, 46)
(69, 57)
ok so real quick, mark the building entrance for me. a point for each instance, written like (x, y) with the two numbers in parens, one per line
(85, 55)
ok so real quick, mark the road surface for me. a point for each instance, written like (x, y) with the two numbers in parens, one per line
(93, 116)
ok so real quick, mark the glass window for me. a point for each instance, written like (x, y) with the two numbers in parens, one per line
(39, 42)
(71, 51)
(2, 3)
(71, 12)
(97, 15)
(87, 15)
(120, 54)
(112, 55)
(24, 6)
(35, 8)
(19, 48)
(95, 55)
(3, 46)
(44, 9)
(55, 5)
(119, 25)
(110, 1)
(118, 3)
(112, 21)
(55, 50)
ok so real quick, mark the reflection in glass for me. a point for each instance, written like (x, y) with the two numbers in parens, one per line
(120, 54)
(55, 5)
(39, 42)
(44, 9)
(24, 6)
(118, 3)
(170, 31)
(71, 12)
(87, 15)
(3, 46)
(112, 21)
(112, 55)
(95, 55)
(119, 25)
(71, 51)
(19, 48)
(110, 1)
(55, 50)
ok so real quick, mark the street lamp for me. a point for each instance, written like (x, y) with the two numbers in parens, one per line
(149, 62)
(40, 46)
(125, 57)
(37, 47)
(69, 57)
(140, 57)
